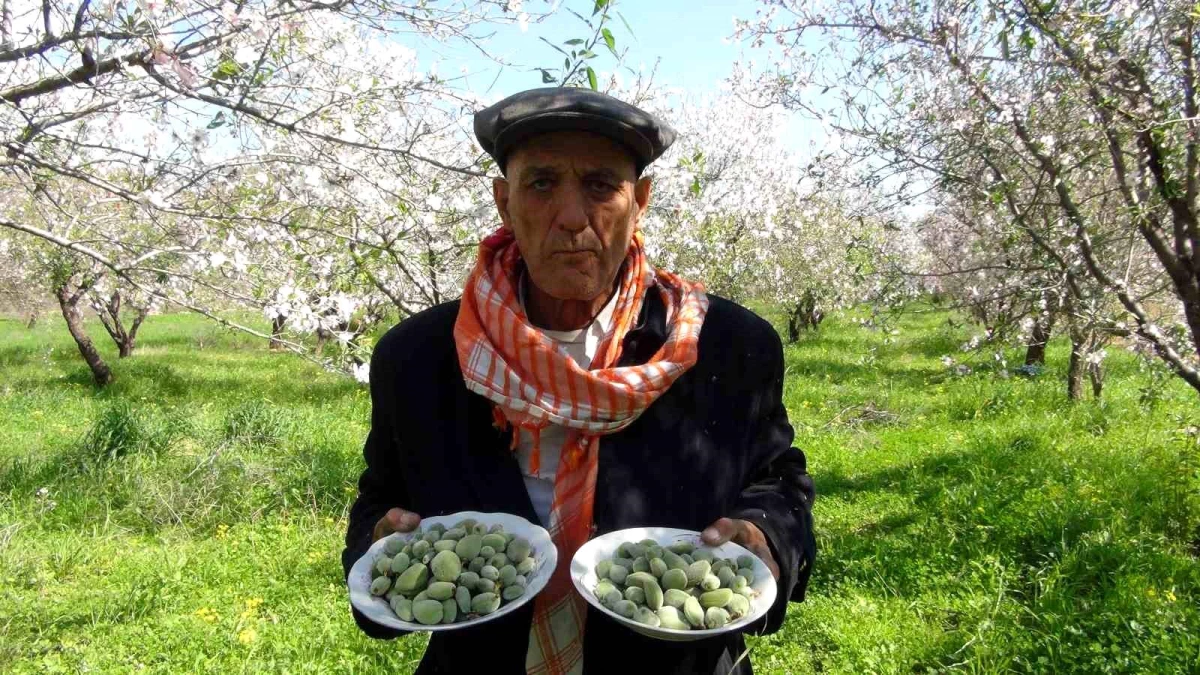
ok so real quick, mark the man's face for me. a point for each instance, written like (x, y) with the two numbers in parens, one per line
(573, 201)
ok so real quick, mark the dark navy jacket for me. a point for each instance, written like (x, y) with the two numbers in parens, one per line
(717, 443)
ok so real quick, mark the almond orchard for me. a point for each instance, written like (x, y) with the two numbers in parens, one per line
(972, 223)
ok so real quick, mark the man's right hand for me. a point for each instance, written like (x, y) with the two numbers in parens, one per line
(395, 520)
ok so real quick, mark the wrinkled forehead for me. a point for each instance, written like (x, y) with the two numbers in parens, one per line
(575, 152)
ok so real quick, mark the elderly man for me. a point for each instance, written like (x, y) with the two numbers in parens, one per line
(579, 387)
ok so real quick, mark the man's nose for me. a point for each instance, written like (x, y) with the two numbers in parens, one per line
(573, 212)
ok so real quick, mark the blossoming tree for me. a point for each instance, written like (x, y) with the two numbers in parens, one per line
(205, 153)
(1076, 121)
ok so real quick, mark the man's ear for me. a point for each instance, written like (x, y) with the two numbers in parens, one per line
(500, 195)
(641, 194)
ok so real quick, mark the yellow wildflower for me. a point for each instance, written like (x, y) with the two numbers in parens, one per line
(247, 635)
(251, 608)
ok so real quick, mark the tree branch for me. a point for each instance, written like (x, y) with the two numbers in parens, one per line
(295, 128)
(81, 74)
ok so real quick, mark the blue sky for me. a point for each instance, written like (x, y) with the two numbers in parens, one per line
(690, 40)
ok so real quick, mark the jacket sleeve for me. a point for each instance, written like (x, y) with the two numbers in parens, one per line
(380, 487)
(779, 493)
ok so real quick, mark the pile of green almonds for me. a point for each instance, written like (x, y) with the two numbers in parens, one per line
(443, 576)
(678, 586)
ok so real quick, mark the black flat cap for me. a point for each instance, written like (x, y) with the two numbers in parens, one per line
(502, 126)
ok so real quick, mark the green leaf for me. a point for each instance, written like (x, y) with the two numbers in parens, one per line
(547, 78)
(1027, 40)
(227, 69)
(587, 54)
(556, 47)
(592, 79)
(609, 40)
(574, 42)
(600, 4)
(627, 26)
(262, 76)
(217, 121)
(580, 17)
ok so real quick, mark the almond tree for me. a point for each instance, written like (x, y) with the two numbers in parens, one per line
(737, 208)
(121, 311)
(1077, 121)
(162, 112)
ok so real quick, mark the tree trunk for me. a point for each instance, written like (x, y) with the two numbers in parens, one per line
(1096, 374)
(1191, 314)
(127, 345)
(70, 311)
(276, 332)
(6, 25)
(805, 315)
(322, 338)
(109, 312)
(1035, 353)
(1075, 369)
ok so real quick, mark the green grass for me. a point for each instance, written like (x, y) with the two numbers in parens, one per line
(189, 518)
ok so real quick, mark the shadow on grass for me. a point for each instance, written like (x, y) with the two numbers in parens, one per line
(204, 337)
(164, 383)
(841, 372)
(323, 476)
(963, 503)
(18, 355)
(169, 476)
(1009, 511)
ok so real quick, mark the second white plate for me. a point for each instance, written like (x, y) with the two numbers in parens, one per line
(583, 574)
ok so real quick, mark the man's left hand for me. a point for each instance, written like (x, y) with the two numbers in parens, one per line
(746, 534)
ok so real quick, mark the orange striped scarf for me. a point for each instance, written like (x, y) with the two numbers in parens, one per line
(533, 384)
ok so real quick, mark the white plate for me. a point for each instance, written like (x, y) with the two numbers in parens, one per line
(583, 574)
(376, 608)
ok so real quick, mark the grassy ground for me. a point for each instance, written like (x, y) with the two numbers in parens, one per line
(189, 518)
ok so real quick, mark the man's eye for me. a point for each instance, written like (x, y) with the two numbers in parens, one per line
(600, 187)
(541, 184)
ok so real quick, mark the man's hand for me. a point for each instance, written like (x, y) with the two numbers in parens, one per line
(746, 534)
(395, 520)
